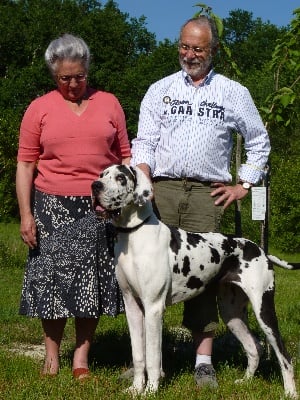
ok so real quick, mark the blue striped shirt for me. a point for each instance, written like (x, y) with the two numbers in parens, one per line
(187, 131)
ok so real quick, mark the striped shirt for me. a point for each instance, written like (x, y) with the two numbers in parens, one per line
(187, 131)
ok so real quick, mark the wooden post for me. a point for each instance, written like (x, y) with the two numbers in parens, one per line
(264, 241)
(238, 206)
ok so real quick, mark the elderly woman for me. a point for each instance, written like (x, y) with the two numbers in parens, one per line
(67, 137)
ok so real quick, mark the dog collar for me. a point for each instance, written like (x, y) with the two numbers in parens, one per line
(134, 228)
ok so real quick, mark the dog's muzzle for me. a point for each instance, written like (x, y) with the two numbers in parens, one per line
(99, 210)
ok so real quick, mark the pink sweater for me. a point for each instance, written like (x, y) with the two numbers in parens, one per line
(72, 150)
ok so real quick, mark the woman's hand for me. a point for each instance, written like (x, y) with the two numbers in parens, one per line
(28, 231)
(24, 180)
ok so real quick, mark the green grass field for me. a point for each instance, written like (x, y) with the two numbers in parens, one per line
(19, 373)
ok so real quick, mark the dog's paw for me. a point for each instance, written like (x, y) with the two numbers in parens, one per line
(151, 388)
(134, 390)
(242, 381)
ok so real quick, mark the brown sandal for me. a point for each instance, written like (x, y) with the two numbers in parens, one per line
(81, 373)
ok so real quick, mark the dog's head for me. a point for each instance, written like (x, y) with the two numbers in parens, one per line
(119, 186)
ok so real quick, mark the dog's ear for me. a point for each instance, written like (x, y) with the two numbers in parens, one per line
(144, 190)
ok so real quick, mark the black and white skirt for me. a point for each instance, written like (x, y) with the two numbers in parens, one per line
(71, 272)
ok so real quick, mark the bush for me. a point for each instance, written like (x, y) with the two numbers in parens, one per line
(285, 205)
(9, 133)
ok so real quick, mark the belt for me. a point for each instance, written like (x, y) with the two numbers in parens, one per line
(183, 180)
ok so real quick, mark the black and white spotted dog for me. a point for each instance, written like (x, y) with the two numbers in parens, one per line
(158, 265)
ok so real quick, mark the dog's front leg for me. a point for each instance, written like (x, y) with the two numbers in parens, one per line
(153, 332)
(135, 320)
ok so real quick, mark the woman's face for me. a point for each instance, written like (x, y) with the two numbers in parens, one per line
(71, 79)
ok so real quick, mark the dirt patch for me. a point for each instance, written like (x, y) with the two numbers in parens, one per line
(36, 351)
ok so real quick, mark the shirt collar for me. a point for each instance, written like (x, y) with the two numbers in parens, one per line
(188, 80)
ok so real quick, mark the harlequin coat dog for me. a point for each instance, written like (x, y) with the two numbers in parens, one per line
(158, 265)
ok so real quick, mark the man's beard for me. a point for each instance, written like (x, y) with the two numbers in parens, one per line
(195, 68)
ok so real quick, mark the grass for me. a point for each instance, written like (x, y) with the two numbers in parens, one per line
(110, 354)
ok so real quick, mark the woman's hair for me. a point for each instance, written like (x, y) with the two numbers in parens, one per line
(203, 20)
(67, 47)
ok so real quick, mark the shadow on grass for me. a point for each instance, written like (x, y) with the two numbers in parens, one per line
(228, 350)
(113, 350)
(109, 350)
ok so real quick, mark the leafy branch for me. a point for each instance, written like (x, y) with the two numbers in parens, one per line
(207, 10)
(285, 60)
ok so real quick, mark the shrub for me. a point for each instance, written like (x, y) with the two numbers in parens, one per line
(9, 128)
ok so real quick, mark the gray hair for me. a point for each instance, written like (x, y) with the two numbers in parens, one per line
(67, 47)
(203, 20)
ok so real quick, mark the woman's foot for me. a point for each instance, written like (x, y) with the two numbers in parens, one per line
(80, 369)
(85, 329)
(50, 368)
(53, 332)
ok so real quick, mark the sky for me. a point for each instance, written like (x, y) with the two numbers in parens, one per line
(165, 17)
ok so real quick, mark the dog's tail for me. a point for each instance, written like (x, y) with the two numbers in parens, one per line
(283, 263)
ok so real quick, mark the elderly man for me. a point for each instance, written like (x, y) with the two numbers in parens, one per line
(184, 145)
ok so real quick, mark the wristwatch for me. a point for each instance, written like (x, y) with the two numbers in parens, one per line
(246, 185)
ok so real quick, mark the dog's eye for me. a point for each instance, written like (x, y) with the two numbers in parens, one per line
(121, 178)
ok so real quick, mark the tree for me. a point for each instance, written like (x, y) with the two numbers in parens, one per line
(281, 112)
(250, 41)
(9, 123)
(163, 60)
(116, 44)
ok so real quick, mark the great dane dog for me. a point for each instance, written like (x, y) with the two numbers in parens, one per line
(158, 265)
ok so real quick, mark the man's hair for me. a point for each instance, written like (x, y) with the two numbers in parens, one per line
(203, 20)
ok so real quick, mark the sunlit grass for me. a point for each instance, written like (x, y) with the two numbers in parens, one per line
(110, 354)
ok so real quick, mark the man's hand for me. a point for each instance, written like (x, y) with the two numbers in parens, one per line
(228, 194)
(146, 169)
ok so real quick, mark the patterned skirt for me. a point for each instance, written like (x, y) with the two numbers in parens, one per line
(71, 272)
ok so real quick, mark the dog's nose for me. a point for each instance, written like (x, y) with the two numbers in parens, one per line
(97, 186)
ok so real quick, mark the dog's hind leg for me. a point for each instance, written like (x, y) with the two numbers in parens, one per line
(135, 320)
(264, 309)
(232, 303)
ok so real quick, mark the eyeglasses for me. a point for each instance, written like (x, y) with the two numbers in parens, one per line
(66, 79)
(196, 50)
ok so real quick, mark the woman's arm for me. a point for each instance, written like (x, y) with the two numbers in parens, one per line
(126, 160)
(24, 179)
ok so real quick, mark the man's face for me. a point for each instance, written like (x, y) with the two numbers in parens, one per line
(195, 54)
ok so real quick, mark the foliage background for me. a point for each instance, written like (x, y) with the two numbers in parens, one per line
(127, 59)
